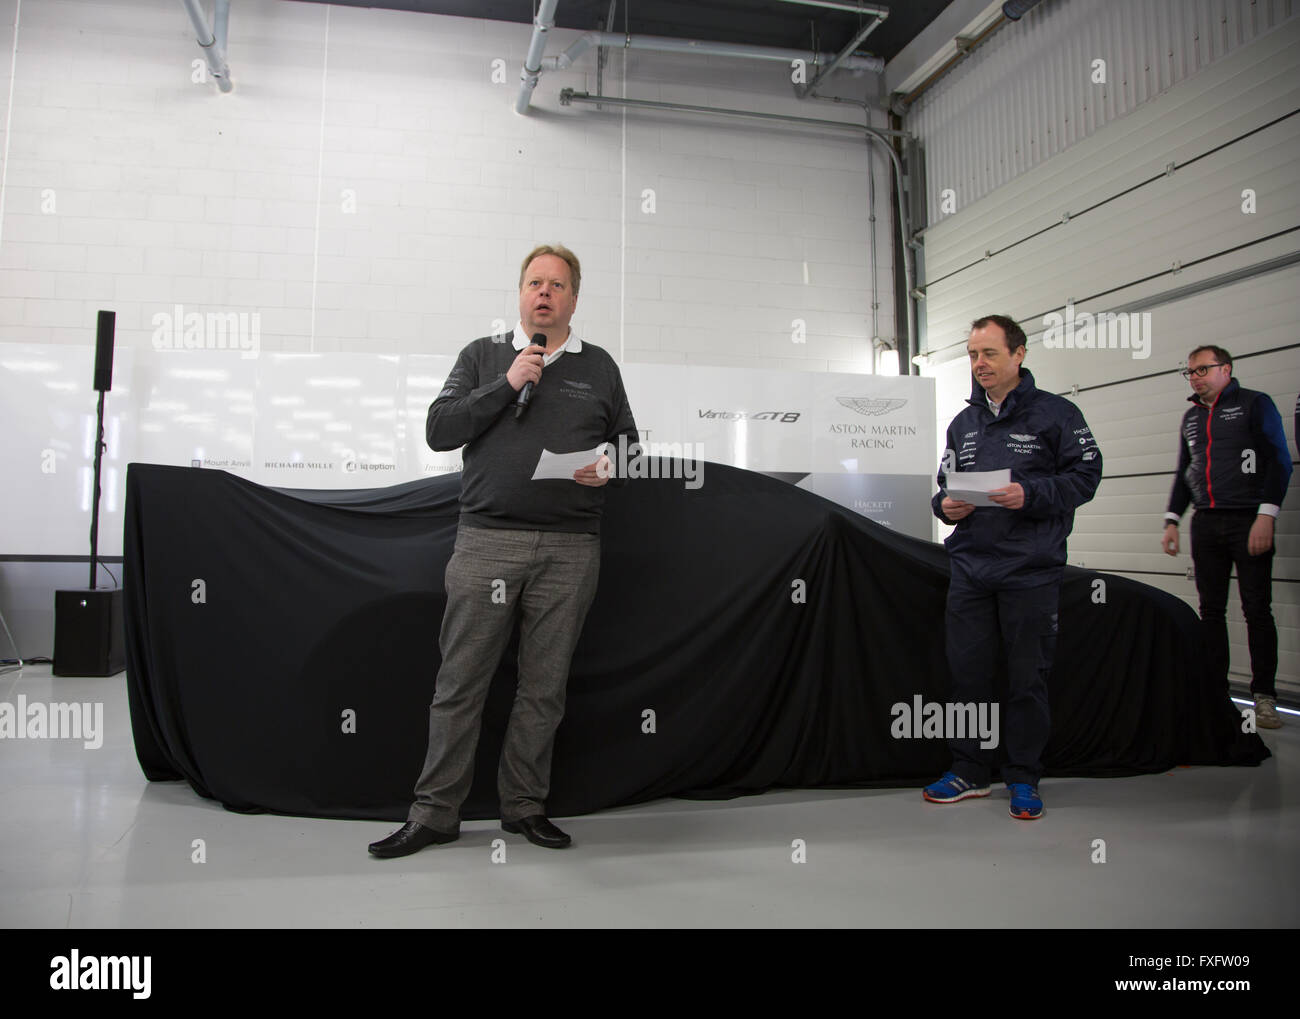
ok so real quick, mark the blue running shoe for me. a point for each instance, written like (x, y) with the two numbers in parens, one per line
(952, 788)
(1025, 804)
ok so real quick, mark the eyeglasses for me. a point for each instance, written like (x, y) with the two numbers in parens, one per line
(1201, 370)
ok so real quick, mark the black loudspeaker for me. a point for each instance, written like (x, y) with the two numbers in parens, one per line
(89, 633)
(104, 351)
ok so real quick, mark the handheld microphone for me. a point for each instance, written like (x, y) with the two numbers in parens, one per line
(525, 394)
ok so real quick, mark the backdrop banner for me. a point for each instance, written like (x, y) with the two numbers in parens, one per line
(282, 647)
(340, 420)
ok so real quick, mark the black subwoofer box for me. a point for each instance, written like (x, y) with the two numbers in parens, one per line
(89, 634)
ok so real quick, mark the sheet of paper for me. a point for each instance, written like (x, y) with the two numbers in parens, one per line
(973, 486)
(562, 466)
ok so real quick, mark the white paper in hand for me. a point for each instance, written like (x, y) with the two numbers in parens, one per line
(562, 466)
(974, 486)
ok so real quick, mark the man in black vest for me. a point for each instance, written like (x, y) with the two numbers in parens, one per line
(526, 551)
(1233, 466)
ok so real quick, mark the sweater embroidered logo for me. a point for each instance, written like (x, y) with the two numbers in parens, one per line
(577, 391)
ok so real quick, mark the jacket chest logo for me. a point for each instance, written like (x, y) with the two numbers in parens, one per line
(1018, 442)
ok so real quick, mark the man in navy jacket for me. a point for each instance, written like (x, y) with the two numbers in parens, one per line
(1008, 558)
(1233, 466)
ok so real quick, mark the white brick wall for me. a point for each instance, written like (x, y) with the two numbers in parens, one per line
(168, 192)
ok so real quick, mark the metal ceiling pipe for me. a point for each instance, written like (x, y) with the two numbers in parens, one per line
(843, 55)
(877, 342)
(221, 22)
(532, 71)
(214, 51)
(871, 218)
(568, 96)
(844, 5)
(696, 46)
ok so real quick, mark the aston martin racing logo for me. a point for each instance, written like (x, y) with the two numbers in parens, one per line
(869, 406)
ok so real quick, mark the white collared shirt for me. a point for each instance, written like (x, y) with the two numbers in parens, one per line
(573, 344)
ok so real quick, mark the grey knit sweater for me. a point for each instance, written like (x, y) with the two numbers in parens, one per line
(578, 404)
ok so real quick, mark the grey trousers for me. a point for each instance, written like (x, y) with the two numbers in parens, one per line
(495, 577)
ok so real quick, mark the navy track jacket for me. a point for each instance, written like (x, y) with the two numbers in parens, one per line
(1212, 471)
(1052, 454)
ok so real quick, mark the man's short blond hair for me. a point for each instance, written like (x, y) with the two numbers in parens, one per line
(559, 251)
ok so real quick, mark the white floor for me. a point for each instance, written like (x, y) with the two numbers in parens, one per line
(86, 841)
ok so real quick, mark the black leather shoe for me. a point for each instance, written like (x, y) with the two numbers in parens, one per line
(411, 838)
(538, 830)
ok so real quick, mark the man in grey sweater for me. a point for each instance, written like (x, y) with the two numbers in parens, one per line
(525, 550)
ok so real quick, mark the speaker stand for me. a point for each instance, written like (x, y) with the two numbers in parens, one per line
(4, 669)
